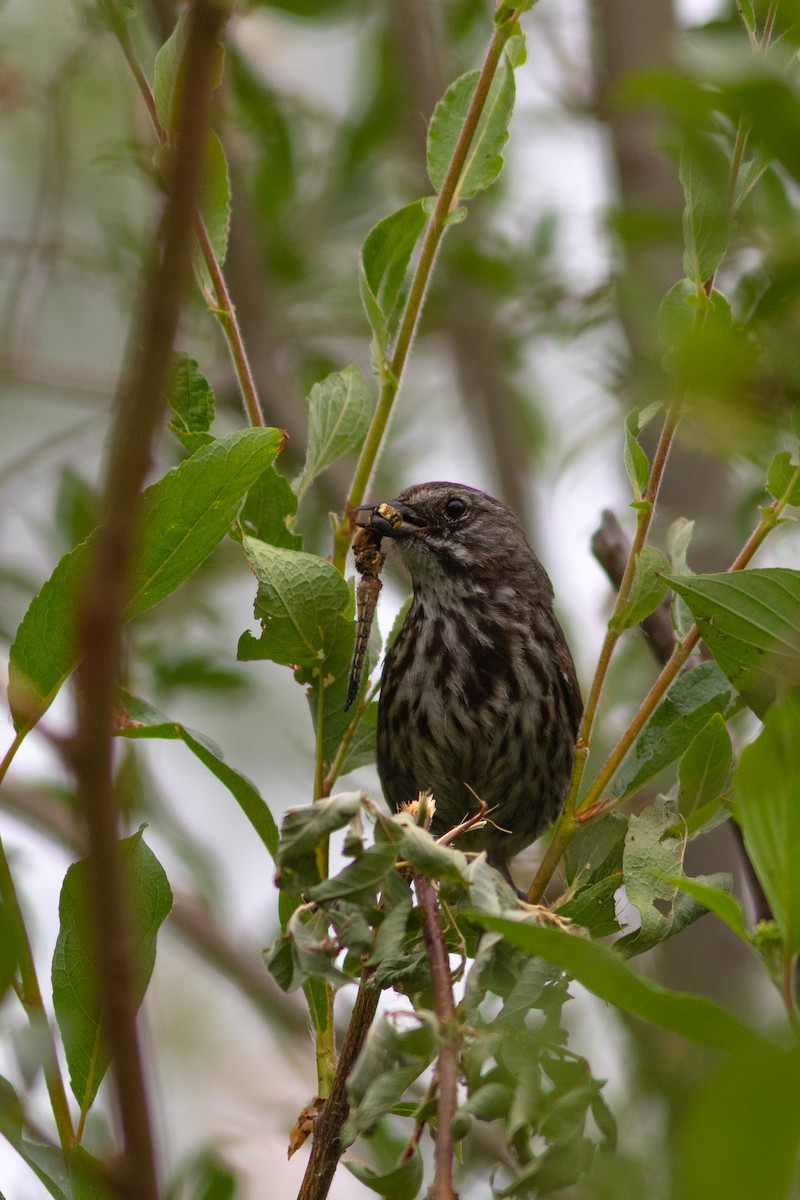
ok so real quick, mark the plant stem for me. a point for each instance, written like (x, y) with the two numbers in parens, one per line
(105, 590)
(392, 372)
(448, 1039)
(224, 309)
(32, 1002)
(326, 1148)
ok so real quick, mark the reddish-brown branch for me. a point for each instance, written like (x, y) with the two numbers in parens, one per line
(105, 591)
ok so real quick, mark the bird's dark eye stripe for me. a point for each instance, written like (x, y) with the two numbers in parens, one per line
(455, 508)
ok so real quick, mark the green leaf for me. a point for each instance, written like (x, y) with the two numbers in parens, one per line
(302, 831)
(306, 610)
(603, 973)
(679, 536)
(166, 68)
(191, 402)
(704, 769)
(363, 746)
(705, 175)
(687, 707)
(215, 205)
(75, 965)
(648, 589)
(650, 858)
(339, 412)
(766, 786)
(184, 516)
(679, 323)
(740, 1135)
(401, 1182)
(384, 261)
(46, 1163)
(141, 720)
(425, 854)
(784, 477)
(484, 160)
(637, 464)
(363, 877)
(721, 903)
(300, 597)
(392, 1058)
(269, 511)
(750, 621)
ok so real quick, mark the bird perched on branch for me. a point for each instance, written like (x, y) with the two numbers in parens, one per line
(479, 696)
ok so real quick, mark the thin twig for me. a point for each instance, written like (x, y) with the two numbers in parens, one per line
(105, 591)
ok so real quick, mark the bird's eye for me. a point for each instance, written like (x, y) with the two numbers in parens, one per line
(455, 508)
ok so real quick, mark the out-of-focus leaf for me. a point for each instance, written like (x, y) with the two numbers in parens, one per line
(141, 720)
(166, 68)
(650, 858)
(402, 1182)
(339, 412)
(78, 507)
(485, 158)
(215, 206)
(679, 535)
(637, 464)
(705, 175)
(603, 972)
(766, 787)
(184, 516)
(9, 953)
(385, 256)
(46, 1163)
(750, 620)
(753, 1103)
(75, 966)
(684, 314)
(784, 477)
(648, 589)
(704, 769)
(685, 710)
(191, 402)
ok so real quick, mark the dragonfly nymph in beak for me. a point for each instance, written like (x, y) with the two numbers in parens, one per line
(369, 564)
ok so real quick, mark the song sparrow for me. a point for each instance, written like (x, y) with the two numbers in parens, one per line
(479, 694)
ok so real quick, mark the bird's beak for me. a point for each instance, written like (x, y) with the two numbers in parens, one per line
(390, 519)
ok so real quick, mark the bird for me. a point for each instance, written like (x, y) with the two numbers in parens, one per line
(479, 700)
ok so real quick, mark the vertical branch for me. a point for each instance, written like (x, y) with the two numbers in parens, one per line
(448, 1039)
(105, 591)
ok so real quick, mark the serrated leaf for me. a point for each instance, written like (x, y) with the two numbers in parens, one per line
(705, 175)
(300, 596)
(725, 906)
(750, 621)
(783, 478)
(648, 589)
(339, 412)
(191, 401)
(484, 159)
(650, 858)
(688, 705)
(425, 854)
(604, 973)
(402, 1182)
(215, 207)
(303, 828)
(637, 464)
(704, 769)
(166, 68)
(390, 1061)
(766, 785)
(75, 967)
(384, 261)
(144, 721)
(269, 511)
(184, 516)
(364, 877)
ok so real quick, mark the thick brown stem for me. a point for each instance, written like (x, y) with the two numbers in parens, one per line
(448, 1040)
(326, 1149)
(105, 592)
